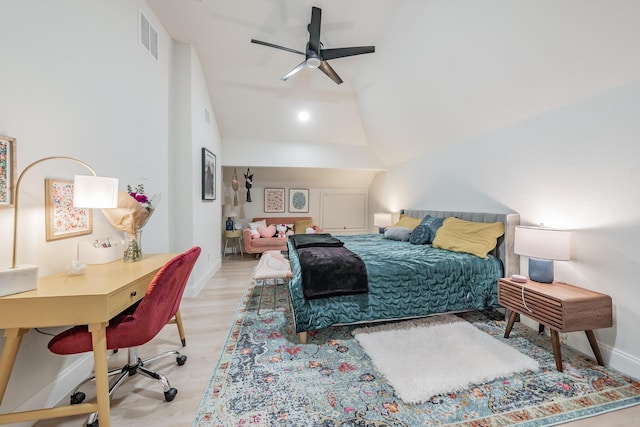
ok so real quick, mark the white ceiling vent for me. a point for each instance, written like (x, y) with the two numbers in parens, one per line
(148, 36)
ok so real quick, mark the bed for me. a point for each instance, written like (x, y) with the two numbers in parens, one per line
(409, 281)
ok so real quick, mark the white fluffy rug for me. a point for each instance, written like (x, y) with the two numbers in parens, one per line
(426, 357)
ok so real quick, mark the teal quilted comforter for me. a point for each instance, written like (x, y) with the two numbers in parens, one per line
(405, 281)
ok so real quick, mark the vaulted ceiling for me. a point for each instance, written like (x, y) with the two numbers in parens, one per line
(443, 70)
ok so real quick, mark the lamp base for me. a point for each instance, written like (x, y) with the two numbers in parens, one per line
(541, 270)
(22, 278)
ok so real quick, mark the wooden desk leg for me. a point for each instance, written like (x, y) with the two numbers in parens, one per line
(512, 319)
(13, 338)
(99, 341)
(555, 343)
(594, 346)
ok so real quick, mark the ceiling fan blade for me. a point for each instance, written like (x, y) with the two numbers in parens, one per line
(326, 68)
(277, 46)
(297, 68)
(314, 29)
(327, 54)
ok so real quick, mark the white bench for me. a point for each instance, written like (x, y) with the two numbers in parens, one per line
(273, 267)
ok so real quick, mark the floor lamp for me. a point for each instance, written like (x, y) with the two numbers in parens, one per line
(88, 192)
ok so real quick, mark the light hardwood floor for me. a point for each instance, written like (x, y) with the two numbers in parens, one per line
(207, 318)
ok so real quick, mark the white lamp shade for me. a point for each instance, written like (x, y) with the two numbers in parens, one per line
(97, 192)
(382, 219)
(229, 211)
(544, 243)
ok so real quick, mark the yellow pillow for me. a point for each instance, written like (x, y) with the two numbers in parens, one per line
(477, 238)
(407, 222)
(300, 226)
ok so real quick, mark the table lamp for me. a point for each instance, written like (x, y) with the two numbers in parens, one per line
(381, 220)
(88, 192)
(542, 246)
(230, 212)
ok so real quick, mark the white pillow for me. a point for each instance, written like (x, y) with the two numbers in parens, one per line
(255, 225)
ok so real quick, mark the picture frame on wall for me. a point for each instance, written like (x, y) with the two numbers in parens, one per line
(274, 200)
(7, 171)
(299, 200)
(62, 219)
(208, 175)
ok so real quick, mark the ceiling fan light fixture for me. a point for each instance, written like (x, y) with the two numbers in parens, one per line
(313, 62)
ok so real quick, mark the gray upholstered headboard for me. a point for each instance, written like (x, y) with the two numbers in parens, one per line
(504, 249)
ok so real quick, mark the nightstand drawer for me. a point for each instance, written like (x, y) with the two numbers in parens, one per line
(560, 306)
(542, 308)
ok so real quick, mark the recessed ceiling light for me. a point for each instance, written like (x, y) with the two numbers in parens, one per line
(303, 116)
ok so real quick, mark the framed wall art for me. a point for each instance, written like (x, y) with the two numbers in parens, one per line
(208, 175)
(274, 200)
(298, 200)
(62, 219)
(7, 170)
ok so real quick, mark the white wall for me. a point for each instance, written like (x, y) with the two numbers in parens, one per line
(314, 179)
(574, 167)
(77, 82)
(195, 221)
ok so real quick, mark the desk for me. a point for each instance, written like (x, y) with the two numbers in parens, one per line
(103, 291)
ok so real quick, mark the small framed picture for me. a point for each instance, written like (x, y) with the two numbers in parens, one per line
(7, 170)
(208, 175)
(274, 200)
(298, 200)
(62, 219)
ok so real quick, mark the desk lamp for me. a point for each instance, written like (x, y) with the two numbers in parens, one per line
(88, 192)
(542, 246)
(381, 220)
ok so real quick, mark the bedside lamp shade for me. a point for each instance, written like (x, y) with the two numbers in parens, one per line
(381, 220)
(542, 246)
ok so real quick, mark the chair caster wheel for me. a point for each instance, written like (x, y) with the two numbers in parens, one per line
(77, 397)
(180, 360)
(170, 394)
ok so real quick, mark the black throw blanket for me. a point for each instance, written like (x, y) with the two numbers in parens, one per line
(331, 271)
(315, 240)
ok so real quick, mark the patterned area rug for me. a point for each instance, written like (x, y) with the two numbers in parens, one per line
(265, 377)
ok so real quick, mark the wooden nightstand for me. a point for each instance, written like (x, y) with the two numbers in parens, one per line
(561, 307)
(236, 239)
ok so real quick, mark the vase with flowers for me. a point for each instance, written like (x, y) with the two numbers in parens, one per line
(133, 211)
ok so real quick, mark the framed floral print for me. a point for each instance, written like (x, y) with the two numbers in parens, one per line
(274, 200)
(7, 170)
(298, 200)
(62, 219)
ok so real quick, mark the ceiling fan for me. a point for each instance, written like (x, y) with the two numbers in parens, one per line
(315, 56)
